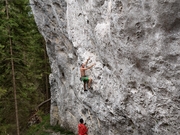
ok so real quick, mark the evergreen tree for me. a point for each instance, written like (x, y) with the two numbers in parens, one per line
(22, 45)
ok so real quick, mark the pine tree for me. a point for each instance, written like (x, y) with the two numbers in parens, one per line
(13, 70)
(22, 45)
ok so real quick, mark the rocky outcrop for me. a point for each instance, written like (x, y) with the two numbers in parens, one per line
(135, 44)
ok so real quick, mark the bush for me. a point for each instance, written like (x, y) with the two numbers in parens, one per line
(44, 128)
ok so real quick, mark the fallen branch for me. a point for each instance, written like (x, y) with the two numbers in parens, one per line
(37, 108)
(35, 119)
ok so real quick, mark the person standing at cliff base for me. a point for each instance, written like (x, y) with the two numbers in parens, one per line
(82, 129)
(84, 78)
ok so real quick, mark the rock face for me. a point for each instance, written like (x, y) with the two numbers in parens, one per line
(136, 80)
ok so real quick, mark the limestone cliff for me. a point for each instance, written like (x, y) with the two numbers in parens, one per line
(136, 80)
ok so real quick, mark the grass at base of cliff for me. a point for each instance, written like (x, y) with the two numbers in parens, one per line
(44, 128)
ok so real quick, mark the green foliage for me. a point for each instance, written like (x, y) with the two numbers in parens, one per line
(44, 128)
(2, 91)
(29, 62)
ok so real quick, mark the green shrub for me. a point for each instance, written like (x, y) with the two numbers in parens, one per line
(44, 128)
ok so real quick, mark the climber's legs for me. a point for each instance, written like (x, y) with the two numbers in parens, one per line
(85, 86)
(89, 83)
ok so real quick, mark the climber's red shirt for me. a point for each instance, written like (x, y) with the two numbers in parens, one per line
(82, 129)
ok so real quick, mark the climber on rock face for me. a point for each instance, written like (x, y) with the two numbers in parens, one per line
(84, 78)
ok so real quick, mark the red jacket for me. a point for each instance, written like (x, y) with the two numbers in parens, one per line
(82, 129)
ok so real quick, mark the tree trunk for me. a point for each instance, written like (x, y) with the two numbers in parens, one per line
(46, 76)
(13, 74)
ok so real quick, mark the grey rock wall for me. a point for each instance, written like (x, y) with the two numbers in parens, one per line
(136, 79)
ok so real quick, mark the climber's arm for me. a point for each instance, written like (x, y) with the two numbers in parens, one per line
(91, 66)
(88, 67)
(87, 61)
